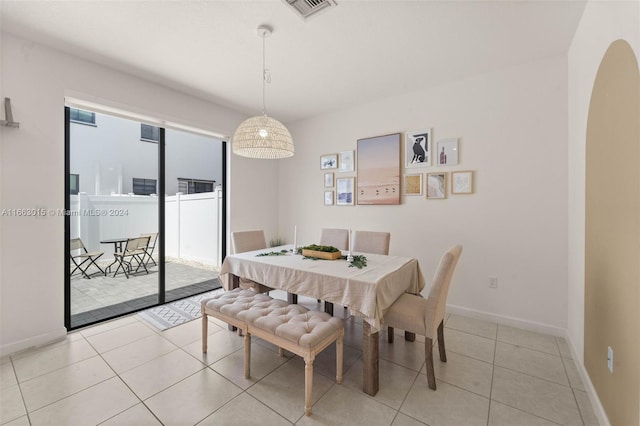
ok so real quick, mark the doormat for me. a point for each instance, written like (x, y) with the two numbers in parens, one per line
(175, 313)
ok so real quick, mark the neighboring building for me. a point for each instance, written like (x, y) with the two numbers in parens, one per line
(112, 155)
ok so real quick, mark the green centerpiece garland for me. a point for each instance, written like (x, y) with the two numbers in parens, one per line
(359, 261)
(274, 253)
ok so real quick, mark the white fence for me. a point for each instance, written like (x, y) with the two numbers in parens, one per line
(192, 223)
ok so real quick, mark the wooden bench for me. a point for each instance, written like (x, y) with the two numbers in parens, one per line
(292, 327)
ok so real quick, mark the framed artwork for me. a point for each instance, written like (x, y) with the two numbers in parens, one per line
(347, 161)
(329, 161)
(447, 152)
(462, 182)
(417, 148)
(413, 184)
(345, 191)
(379, 170)
(328, 198)
(328, 180)
(436, 185)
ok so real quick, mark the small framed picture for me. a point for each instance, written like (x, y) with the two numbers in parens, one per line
(328, 180)
(413, 184)
(347, 161)
(462, 182)
(328, 198)
(417, 148)
(329, 161)
(447, 152)
(436, 185)
(344, 191)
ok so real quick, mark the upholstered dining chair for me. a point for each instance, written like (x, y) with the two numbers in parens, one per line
(371, 242)
(248, 241)
(338, 238)
(422, 316)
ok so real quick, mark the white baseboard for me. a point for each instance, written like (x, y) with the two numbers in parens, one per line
(507, 320)
(598, 409)
(33, 342)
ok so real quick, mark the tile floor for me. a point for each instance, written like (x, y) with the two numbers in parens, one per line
(125, 372)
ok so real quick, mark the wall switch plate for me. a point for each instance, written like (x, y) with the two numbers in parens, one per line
(610, 359)
(493, 282)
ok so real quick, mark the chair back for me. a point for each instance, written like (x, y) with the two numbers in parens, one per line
(440, 287)
(153, 237)
(248, 241)
(371, 242)
(338, 238)
(137, 243)
(76, 244)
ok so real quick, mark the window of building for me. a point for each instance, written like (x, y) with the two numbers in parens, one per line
(144, 186)
(195, 186)
(74, 184)
(82, 116)
(149, 133)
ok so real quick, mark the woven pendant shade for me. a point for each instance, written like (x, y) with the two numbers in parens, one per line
(262, 137)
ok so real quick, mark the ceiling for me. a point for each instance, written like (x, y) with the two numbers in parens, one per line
(348, 55)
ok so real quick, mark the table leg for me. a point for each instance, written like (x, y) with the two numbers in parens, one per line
(328, 308)
(235, 283)
(370, 382)
(409, 336)
(292, 298)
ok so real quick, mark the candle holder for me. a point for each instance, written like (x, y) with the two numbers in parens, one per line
(349, 257)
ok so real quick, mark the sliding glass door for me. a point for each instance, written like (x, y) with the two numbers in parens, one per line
(140, 230)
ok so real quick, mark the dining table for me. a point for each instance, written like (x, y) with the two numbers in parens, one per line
(368, 292)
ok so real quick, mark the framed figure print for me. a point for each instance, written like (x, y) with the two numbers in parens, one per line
(447, 152)
(345, 195)
(328, 198)
(417, 148)
(379, 170)
(347, 161)
(462, 182)
(413, 184)
(329, 161)
(328, 180)
(436, 185)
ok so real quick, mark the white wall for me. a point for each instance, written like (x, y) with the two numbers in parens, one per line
(37, 79)
(512, 129)
(602, 23)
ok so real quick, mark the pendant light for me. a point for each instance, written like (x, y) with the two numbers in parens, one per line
(262, 136)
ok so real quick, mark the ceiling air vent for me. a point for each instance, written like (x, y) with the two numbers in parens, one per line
(307, 8)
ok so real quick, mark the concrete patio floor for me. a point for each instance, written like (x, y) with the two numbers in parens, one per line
(102, 291)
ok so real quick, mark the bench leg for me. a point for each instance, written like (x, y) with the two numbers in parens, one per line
(308, 384)
(205, 333)
(247, 355)
(339, 351)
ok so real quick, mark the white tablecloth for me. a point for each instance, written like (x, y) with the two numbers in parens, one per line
(368, 292)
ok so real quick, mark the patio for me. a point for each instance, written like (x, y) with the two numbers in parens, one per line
(103, 297)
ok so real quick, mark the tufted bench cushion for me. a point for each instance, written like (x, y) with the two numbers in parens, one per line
(294, 323)
(293, 327)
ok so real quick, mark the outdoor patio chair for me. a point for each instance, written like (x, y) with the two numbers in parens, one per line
(134, 251)
(148, 256)
(85, 258)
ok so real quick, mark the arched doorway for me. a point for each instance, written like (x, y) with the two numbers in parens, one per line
(612, 234)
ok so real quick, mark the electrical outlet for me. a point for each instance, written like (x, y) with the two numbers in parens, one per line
(610, 359)
(493, 281)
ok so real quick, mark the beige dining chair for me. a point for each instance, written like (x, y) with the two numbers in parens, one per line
(371, 242)
(338, 238)
(415, 314)
(244, 241)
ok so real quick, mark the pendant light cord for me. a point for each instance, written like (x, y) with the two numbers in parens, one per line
(266, 76)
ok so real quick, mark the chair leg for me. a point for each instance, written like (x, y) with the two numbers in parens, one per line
(428, 357)
(390, 334)
(443, 354)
